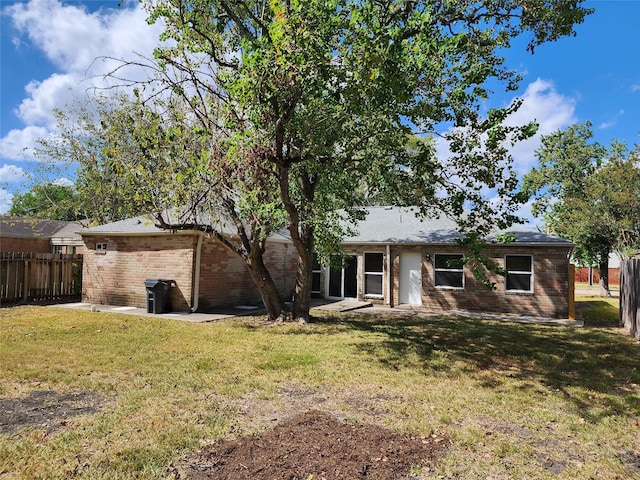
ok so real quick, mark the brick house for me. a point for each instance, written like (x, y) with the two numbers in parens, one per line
(397, 259)
(120, 256)
(30, 235)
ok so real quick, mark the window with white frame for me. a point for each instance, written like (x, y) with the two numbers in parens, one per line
(101, 248)
(519, 273)
(316, 271)
(58, 249)
(373, 273)
(449, 271)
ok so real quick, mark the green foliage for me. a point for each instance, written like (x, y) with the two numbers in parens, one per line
(49, 201)
(588, 193)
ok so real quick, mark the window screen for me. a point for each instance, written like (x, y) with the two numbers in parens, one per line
(519, 273)
(373, 273)
(449, 271)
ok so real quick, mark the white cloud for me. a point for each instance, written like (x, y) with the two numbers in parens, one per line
(57, 91)
(612, 122)
(74, 40)
(12, 173)
(18, 144)
(550, 109)
(5, 200)
(541, 102)
(63, 182)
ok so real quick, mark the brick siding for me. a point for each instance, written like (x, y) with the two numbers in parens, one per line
(549, 296)
(116, 277)
(225, 279)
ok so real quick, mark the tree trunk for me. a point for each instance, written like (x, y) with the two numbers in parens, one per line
(302, 292)
(269, 293)
(603, 267)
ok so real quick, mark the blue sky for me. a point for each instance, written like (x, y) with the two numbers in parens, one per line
(48, 48)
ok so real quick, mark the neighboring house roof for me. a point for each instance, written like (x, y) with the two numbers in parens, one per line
(146, 225)
(390, 225)
(22, 227)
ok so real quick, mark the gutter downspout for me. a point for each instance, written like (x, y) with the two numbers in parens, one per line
(196, 274)
(389, 277)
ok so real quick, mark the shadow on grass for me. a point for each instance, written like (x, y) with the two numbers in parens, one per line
(595, 361)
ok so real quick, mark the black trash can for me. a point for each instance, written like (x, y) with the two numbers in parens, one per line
(157, 294)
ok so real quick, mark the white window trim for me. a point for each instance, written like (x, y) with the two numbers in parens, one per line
(313, 272)
(101, 247)
(380, 274)
(327, 281)
(456, 270)
(518, 272)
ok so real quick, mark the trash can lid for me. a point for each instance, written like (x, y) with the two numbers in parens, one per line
(153, 282)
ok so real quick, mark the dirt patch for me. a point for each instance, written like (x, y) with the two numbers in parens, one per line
(631, 462)
(46, 408)
(314, 445)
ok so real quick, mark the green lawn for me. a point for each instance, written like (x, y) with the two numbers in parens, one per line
(517, 401)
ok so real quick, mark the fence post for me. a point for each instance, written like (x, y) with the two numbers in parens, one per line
(25, 280)
(572, 291)
(630, 296)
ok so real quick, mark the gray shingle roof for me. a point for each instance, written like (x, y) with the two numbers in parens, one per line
(402, 225)
(134, 226)
(147, 225)
(382, 225)
(21, 227)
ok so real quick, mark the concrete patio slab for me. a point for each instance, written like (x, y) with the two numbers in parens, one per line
(343, 305)
(141, 312)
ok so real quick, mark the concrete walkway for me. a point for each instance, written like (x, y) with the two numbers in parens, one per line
(595, 291)
(326, 305)
(419, 313)
(184, 316)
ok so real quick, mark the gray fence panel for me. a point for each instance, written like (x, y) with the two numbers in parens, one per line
(630, 296)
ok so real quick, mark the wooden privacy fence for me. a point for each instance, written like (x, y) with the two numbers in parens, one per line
(40, 277)
(630, 296)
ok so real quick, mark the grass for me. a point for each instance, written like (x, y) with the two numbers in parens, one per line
(517, 401)
(599, 311)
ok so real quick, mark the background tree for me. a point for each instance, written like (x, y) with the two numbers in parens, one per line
(288, 108)
(589, 194)
(49, 201)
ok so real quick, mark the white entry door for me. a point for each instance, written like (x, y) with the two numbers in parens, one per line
(410, 278)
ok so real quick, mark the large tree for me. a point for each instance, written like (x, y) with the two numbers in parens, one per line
(294, 110)
(589, 194)
(50, 201)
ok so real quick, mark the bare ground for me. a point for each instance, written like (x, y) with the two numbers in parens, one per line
(313, 445)
(296, 441)
(46, 409)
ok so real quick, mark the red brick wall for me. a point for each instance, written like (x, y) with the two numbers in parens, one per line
(225, 280)
(117, 276)
(25, 245)
(550, 296)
